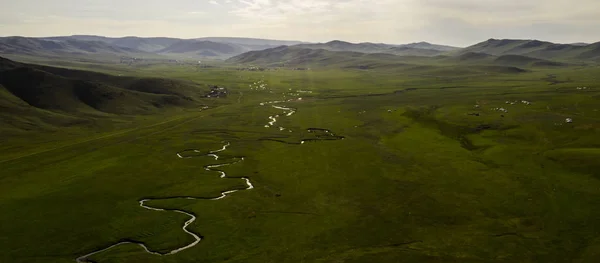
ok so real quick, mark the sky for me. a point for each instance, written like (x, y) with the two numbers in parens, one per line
(451, 22)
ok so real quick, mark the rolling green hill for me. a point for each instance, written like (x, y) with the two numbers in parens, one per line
(38, 95)
(465, 64)
(365, 158)
(337, 45)
(306, 57)
(426, 45)
(412, 51)
(524, 61)
(148, 44)
(40, 47)
(202, 49)
(506, 47)
(103, 48)
(516, 59)
(471, 57)
(98, 47)
(252, 43)
(7, 64)
(591, 51)
(476, 58)
(145, 44)
(198, 47)
(536, 49)
(416, 49)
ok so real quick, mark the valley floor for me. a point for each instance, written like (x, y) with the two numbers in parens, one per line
(338, 166)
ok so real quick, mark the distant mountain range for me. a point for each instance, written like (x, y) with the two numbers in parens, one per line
(536, 49)
(251, 50)
(212, 47)
(414, 49)
(208, 47)
(426, 45)
(33, 46)
(505, 52)
(500, 53)
(300, 56)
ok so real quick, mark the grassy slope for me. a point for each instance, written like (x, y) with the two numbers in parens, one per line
(406, 50)
(536, 49)
(76, 49)
(44, 105)
(472, 62)
(74, 91)
(421, 184)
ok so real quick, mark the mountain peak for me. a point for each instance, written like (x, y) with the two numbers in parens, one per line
(337, 42)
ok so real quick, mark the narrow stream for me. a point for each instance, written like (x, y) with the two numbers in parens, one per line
(197, 238)
(273, 119)
(320, 135)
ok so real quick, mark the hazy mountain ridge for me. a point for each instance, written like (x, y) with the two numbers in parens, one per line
(212, 47)
(197, 47)
(297, 56)
(414, 49)
(536, 49)
(427, 45)
(34, 46)
(217, 46)
(251, 41)
(228, 47)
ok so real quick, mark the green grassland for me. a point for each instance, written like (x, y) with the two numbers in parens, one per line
(415, 179)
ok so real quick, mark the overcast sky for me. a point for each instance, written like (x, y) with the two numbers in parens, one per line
(454, 22)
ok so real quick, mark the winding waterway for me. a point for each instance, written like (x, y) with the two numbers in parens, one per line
(197, 237)
(319, 135)
(273, 119)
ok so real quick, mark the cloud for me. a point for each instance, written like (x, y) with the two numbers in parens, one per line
(486, 12)
(469, 21)
(458, 22)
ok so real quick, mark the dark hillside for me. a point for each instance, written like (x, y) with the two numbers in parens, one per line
(148, 85)
(44, 47)
(536, 49)
(592, 51)
(415, 49)
(39, 94)
(524, 61)
(474, 56)
(190, 46)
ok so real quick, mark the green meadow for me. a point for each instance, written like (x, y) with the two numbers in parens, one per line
(418, 164)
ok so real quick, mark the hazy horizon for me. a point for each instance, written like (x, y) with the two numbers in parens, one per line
(449, 22)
